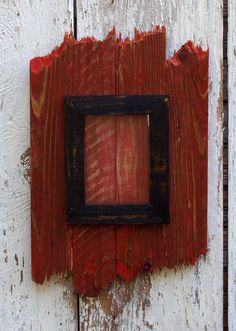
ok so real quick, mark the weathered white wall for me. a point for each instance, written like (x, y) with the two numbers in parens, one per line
(27, 28)
(232, 164)
(187, 298)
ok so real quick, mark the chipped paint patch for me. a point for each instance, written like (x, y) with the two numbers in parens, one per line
(26, 164)
(111, 304)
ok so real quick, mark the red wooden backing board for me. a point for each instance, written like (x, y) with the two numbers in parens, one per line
(96, 254)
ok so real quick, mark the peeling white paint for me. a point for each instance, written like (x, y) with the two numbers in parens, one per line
(27, 29)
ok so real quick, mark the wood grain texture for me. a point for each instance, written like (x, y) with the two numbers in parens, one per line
(122, 68)
(52, 78)
(93, 247)
(49, 236)
(116, 158)
(100, 159)
(132, 160)
(149, 247)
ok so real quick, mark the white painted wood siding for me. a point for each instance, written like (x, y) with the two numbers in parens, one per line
(186, 298)
(27, 28)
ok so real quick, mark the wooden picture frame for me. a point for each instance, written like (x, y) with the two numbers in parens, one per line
(76, 109)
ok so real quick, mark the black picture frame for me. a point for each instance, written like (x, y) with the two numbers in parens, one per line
(76, 109)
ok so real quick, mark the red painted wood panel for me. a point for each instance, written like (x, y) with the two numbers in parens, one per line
(97, 254)
(50, 240)
(185, 79)
(73, 69)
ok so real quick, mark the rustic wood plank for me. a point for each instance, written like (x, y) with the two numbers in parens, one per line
(133, 248)
(49, 235)
(51, 80)
(93, 247)
(188, 158)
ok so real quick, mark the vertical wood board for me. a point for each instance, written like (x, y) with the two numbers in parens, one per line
(27, 29)
(52, 78)
(151, 246)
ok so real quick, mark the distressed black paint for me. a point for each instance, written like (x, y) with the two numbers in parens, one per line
(76, 108)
